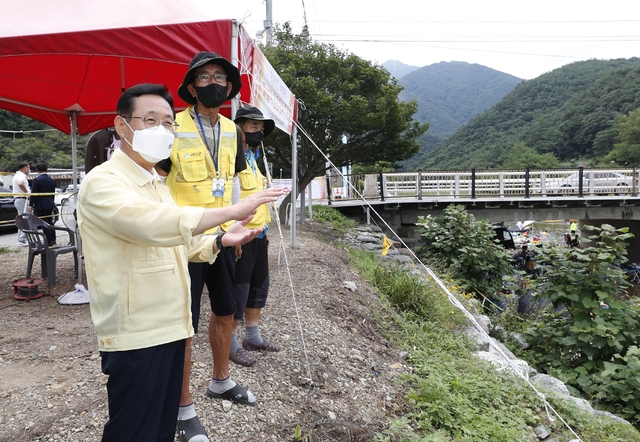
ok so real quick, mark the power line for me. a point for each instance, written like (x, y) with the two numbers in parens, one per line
(500, 52)
(506, 22)
(392, 39)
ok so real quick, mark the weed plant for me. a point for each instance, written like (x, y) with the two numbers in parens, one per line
(466, 247)
(588, 334)
(4, 250)
(328, 214)
(453, 395)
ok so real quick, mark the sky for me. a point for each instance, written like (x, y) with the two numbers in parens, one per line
(525, 39)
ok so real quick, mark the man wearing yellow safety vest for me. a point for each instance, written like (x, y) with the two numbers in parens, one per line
(252, 269)
(573, 227)
(206, 155)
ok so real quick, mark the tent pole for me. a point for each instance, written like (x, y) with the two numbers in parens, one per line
(294, 184)
(74, 177)
(234, 61)
(74, 152)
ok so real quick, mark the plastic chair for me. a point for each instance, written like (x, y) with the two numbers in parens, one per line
(32, 226)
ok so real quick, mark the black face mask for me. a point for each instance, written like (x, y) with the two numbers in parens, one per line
(212, 95)
(254, 138)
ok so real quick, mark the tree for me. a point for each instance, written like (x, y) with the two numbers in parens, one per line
(628, 150)
(37, 144)
(466, 247)
(522, 156)
(53, 148)
(351, 112)
(588, 337)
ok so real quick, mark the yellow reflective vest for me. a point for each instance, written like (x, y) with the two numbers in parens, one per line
(252, 181)
(192, 168)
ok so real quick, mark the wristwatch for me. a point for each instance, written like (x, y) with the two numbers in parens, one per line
(219, 243)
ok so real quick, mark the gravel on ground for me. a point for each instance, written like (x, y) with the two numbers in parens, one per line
(336, 375)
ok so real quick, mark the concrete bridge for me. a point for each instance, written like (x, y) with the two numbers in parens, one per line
(590, 196)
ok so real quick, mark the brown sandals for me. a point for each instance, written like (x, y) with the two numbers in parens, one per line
(244, 358)
(266, 346)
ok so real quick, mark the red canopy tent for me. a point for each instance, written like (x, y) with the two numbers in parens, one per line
(67, 63)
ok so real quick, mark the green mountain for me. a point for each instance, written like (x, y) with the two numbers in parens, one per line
(569, 112)
(449, 94)
(397, 68)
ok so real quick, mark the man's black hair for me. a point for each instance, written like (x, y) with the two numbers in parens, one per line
(22, 165)
(126, 101)
(42, 167)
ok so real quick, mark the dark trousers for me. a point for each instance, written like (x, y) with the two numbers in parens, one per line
(48, 218)
(144, 393)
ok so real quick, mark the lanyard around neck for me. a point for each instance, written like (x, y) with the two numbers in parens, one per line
(216, 141)
(248, 154)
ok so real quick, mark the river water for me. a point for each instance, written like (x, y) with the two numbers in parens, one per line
(546, 232)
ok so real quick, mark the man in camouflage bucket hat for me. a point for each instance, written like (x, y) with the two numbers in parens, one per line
(206, 156)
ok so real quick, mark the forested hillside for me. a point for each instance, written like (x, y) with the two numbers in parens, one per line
(449, 94)
(37, 144)
(570, 112)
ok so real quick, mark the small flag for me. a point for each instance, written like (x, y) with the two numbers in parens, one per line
(386, 244)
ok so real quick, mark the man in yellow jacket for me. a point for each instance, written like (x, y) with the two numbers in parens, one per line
(205, 157)
(136, 246)
(252, 269)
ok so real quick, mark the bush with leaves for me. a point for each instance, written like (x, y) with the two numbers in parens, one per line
(589, 340)
(466, 247)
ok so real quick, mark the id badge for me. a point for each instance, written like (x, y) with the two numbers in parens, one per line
(218, 187)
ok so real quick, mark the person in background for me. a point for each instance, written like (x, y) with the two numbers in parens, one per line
(137, 243)
(575, 241)
(519, 257)
(205, 158)
(252, 268)
(20, 186)
(44, 206)
(530, 267)
(524, 251)
(573, 227)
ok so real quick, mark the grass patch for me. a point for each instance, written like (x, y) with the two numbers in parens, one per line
(4, 250)
(453, 395)
(328, 214)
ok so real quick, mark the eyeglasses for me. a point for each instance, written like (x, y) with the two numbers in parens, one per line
(205, 77)
(154, 123)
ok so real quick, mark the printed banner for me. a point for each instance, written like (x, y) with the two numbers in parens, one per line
(270, 94)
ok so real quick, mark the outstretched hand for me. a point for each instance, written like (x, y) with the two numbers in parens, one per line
(248, 205)
(216, 216)
(238, 234)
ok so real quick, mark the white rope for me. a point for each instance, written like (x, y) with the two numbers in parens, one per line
(17, 132)
(450, 295)
(26, 131)
(282, 250)
(429, 271)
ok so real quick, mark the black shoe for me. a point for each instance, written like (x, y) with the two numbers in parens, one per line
(189, 429)
(237, 394)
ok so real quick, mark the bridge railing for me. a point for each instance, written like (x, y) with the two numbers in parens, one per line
(489, 184)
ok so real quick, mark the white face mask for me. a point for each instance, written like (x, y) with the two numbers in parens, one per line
(154, 145)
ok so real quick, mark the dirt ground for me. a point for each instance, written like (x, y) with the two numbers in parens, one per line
(336, 376)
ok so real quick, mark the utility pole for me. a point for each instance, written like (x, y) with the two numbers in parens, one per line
(268, 23)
